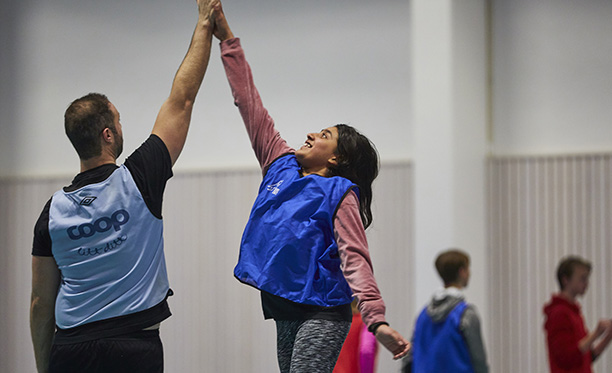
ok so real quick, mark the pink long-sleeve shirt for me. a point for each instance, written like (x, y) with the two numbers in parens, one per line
(268, 145)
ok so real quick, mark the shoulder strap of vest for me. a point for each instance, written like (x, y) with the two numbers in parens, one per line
(457, 315)
(274, 160)
(356, 189)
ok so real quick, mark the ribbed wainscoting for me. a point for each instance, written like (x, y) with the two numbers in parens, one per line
(21, 201)
(541, 209)
(217, 324)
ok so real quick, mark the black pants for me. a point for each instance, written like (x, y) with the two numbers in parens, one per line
(141, 351)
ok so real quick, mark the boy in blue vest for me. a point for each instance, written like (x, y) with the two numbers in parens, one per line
(447, 332)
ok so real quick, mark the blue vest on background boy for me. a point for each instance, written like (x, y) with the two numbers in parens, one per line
(440, 347)
(288, 247)
(109, 249)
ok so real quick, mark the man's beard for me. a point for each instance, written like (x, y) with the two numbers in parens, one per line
(118, 148)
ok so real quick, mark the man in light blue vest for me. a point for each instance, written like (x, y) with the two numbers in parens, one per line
(447, 334)
(99, 282)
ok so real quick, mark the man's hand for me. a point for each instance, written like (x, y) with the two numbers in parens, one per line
(206, 10)
(393, 341)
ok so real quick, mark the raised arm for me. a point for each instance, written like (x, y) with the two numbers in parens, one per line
(45, 283)
(173, 119)
(265, 139)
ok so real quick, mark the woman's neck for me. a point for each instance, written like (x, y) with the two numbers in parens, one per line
(321, 172)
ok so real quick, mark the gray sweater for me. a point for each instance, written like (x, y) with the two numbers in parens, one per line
(441, 304)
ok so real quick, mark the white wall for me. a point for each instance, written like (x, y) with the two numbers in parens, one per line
(449, 100)
(552, 76)
(316, 63)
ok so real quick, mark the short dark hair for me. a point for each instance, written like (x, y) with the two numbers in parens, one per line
(449, 263)
(84, 120)
(568, 265)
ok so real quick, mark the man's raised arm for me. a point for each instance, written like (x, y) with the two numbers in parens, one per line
(172, 122)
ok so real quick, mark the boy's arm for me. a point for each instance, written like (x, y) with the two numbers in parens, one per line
(470, 327)
(603, 343)
(563, 347)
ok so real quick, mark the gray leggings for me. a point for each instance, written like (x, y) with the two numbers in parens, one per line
(307, 346)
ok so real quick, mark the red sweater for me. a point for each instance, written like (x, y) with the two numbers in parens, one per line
(564, 327)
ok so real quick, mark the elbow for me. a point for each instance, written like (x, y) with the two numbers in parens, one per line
(180, 102)
(184, 105)
(41, 308)
(188, 104)
(569, 359)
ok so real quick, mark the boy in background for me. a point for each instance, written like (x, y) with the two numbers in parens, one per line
(447, 335)
(571, 348)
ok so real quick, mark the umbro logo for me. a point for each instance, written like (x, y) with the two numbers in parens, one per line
(87, 200)
(275, 188)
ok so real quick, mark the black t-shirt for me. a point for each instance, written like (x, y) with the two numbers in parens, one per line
(277, 308)
(151, 167)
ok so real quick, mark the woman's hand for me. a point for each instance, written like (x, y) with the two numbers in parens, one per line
(393, 341)
(222, 30)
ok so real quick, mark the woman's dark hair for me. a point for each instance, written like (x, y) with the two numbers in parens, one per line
(84, 120)
(357, 161)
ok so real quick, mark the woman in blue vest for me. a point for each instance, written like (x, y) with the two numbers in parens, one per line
(304, 246)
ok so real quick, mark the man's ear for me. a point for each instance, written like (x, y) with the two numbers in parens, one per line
(564, 281)
(107, 135)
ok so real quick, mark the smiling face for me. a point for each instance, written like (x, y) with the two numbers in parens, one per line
(318, 152)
